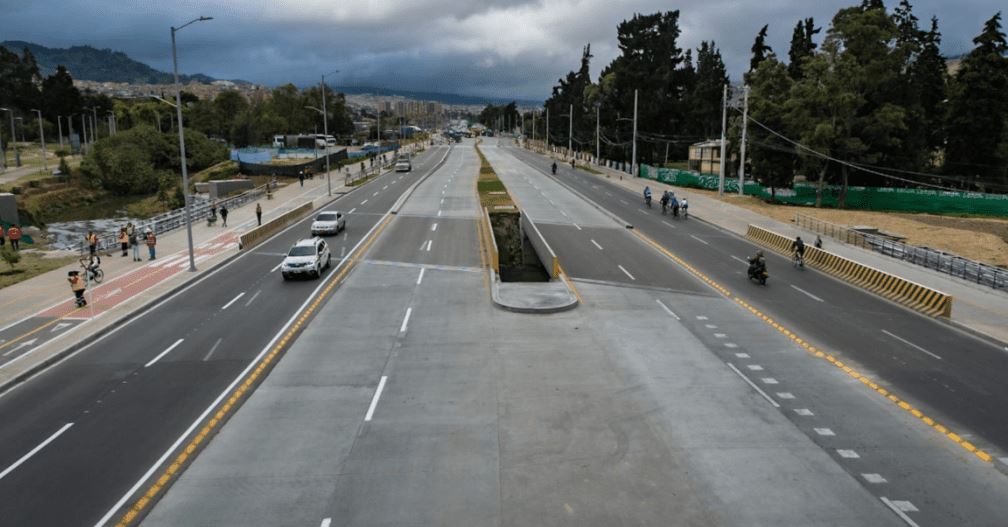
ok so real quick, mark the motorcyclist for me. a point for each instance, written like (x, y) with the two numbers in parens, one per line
(798, 249)
(675, 205)
(647, 195)
(685, 208)
(554, 168)
(664, 201)
(757, 264)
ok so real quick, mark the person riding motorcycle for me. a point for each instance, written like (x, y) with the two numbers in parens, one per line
(554, 168)
(757, 265)
(664, 201)
(647, 195)
(798, 249)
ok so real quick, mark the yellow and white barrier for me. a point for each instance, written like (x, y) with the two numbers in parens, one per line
(263, 231)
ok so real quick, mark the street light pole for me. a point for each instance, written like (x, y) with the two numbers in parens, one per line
(745, 118)
(547, 130)
(570, 132)
(59, 127)
(633, 162)
(597, 151)
(13, 141)
(724, 124)
(181, 136)
(45, 165)
(325, 130)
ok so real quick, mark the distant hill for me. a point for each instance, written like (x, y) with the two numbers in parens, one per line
(443, 98)
(99, 65)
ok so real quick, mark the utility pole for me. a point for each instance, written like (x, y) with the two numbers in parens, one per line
(724, 124)
(83, 125)
(325, 130)
(633, 162)
(597, 134)
(533, 129)
(570, 132)
(745, 123)
(59, 126)
(13, 138)
(45, 165)
(547, 130)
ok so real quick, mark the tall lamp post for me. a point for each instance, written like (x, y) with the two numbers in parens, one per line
(325, 131)
(181, 138)
(13, 141)
(45, 165)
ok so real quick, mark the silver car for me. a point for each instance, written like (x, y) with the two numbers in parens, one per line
(329, 222)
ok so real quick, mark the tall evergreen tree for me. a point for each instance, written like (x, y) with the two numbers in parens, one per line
(930, 76)
(979, 103)
(59, 96)
(705, 98)
(771, 86)
(802, 45)
(760, 49)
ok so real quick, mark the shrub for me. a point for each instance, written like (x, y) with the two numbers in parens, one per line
(10, 256)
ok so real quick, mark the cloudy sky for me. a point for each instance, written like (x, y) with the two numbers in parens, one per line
(497, 48)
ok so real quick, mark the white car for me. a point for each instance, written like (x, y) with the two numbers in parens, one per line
(329, 222)
(403, 164)
(308, 257)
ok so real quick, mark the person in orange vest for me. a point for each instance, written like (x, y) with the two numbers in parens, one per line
(92, 241)
(14, 235)
(151, 242)
(123, 241)
(77, 285)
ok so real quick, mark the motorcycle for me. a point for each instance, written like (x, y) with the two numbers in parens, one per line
(647, 201)
(758, 274)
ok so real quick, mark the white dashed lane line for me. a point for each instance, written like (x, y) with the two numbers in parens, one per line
(626, 272)
(595, 243)
(911, 344)
(163, 353)
(374, 400)
(754, 386)
(699, 240)
(667, 310)
(806, 293)
(34, 451)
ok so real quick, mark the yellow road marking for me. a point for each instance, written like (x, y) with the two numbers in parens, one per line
(570, 284)
(231, 404)
(40, 328)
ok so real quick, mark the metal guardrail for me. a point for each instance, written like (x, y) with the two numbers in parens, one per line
(950, 264)
(174, 219)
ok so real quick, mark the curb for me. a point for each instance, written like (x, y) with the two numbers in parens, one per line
(495, 297)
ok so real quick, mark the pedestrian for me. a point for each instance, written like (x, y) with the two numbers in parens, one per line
(14, 235)
(223, 215)
(301, 177)
(818, 242)
(123, 240)
(259, 213)
(151, 243)
(77, 285)
(133, 241)
(92, 241)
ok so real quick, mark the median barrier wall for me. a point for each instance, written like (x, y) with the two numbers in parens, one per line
(543, 250)
(262, 232)
(491, 241)
(900, 290)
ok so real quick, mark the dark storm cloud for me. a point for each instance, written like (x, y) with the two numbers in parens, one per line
(493, 48)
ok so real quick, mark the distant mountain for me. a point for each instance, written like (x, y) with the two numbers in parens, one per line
(99, 65)
(443, 98)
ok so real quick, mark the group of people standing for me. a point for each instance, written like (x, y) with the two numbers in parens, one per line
(129, 237)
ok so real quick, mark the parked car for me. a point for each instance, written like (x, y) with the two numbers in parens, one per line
(309, 256)
(328, 222)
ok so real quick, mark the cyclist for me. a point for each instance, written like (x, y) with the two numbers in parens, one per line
(685, 208)
(798, 247)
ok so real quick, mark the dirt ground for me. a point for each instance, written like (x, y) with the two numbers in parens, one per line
(981, 239)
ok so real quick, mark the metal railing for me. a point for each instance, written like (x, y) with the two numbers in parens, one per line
(951, 264)
(171, 220)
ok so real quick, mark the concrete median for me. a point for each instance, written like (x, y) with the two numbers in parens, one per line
(264, 231)
(915, 296)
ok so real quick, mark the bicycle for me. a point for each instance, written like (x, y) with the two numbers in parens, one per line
(798, 260)
(92, 273)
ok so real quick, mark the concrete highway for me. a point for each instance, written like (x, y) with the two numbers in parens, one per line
(81, 437)
(411, 400)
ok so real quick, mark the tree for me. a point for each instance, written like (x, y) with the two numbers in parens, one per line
(760, 49)
(930, 77)
(59, 96)
(772, 162)
(802, 46)
(979, 104)
(705, 98)
(10, 256)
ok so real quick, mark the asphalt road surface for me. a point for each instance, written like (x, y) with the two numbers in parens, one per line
(79, 437)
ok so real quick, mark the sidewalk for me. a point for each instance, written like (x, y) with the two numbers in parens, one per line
(129, 285)
(975, 307)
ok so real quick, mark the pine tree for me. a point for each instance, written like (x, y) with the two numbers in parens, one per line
(760, 49)
(979, 104)
(772, 163)
(930, 76)
(802, 46)
(705, 99)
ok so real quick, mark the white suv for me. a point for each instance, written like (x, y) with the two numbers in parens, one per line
(403, 164)
(308, 257)
(329, 222)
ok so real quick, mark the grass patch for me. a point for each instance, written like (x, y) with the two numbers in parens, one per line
(590, 170)
(31, 265)
(488, 186)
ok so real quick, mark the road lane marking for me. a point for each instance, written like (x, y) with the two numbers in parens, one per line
(737, 259)
(34, 451)
(373, 195)
(342, 251)
(233, 300)
(597, 245)
(433, 227)
(253, 298)
(825, 432)
(621, 201)
(363, 202)
(669, 224)
(626, 272)
(667, 310)
(352, 210)
(420, 278)
(899, 510)
(24, 344)
(576, 226)
(212, 349)
(374, 400)
(804, 412)
(385, 187)
(439, 213)
(273, 270)
(405, 320)
(847, 453)
(326, 522)
(753, 385)
(874, 478)
(429, 243)
(698, 239)
(806, 293)
(911, 344)
(163, 353)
